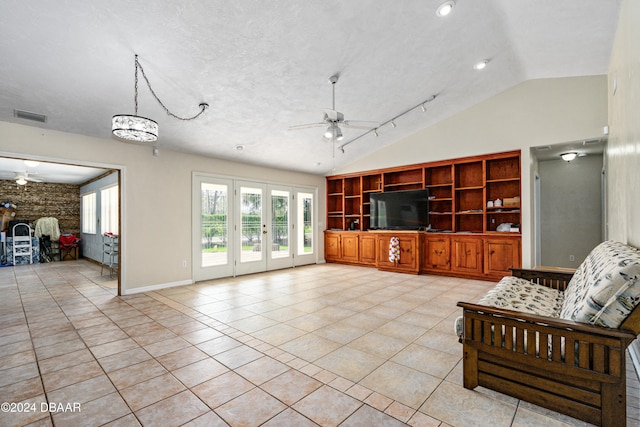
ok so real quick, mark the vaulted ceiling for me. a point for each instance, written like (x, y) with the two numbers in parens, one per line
(264, 66)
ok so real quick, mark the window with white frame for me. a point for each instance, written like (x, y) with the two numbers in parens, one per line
(89, 213)
(109, 207)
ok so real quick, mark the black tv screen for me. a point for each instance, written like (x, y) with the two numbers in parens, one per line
(400, 210)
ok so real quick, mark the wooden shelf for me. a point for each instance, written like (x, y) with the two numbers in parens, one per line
(460, 189)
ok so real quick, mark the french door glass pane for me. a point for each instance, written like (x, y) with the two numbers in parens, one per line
(251, 228)
(279, 224)
(215, 226)
(305, 223)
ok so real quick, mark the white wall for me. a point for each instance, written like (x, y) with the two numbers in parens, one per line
(623, 148)
(533, 113)
(156, 227)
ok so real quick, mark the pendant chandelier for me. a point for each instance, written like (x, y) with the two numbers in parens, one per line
(131, 127)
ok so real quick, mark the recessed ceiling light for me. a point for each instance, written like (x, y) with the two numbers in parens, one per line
(445, 8)
(31, 163)
(481, 65)
(239, 147)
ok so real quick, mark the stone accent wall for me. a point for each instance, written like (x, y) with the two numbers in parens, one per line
(40, 199)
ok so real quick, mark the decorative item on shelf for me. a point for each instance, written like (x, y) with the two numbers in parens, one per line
(504, 227)
(497, 203)
(490, 204)
(511, 201)
(131, 127)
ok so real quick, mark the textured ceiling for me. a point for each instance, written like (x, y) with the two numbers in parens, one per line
(264, 66)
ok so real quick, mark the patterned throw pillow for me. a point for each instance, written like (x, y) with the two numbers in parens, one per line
(606, 286)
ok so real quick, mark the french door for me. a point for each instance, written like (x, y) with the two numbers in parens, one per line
(243, 227)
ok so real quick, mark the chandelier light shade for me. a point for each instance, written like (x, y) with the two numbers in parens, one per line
(132, 127)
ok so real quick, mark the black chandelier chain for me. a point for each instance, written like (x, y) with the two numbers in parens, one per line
(203, 106)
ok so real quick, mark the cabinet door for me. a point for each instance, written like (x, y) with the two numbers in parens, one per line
(332, 246)
(368, 249)
(437, 254)
(408, 253)
(467, 255)
(500, 255)
(350, 247)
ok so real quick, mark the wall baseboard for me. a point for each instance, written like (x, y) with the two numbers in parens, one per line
(156, 287)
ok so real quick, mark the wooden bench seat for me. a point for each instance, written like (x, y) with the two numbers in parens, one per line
(575, 368)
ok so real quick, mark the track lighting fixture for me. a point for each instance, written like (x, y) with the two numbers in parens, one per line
(392, 121)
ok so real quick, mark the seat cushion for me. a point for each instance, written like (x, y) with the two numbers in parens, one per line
(606, 287)
(513, 293)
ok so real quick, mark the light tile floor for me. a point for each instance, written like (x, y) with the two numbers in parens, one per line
(320, 345)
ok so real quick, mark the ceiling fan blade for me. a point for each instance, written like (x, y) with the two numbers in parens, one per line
(350, 126)
(310, 125)
(28, 178)
(360, 122)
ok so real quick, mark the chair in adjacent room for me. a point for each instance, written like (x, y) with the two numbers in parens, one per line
(68, 246)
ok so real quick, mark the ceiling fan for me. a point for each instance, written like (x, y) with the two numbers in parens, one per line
(333, 119)
(21, 178)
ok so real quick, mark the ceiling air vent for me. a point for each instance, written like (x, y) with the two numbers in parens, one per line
(34, 117)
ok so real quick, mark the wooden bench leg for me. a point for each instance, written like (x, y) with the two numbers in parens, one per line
(470, 367)
(614, 403)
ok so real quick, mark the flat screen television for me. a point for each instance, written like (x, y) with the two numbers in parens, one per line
(400, 210)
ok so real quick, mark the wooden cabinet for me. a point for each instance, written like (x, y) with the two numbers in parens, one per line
(466, 255)
(332, 250)
(436, 253)
(409, 261)
(501, 254)
(368, 248)
(350, 247)
(487, 256)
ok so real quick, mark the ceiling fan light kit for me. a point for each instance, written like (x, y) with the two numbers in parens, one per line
(131, 127)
